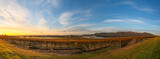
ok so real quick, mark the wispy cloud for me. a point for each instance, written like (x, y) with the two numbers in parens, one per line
(82, 19)
(54, 3)
(76, 29)
(12, 13)
(65, 17)
(14, 17)
(105, 29)
(157, 26)
(80, 27)
(114, 20)
(125, 20)
(39, 16)
(137, 21)
(42, 21)
(87, 13)
(141, 8)
(17, 18)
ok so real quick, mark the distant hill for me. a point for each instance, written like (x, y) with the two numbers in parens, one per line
(122, 34)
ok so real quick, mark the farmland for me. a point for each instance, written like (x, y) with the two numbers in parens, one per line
(79, 29)
(99, 51)
(74, 45)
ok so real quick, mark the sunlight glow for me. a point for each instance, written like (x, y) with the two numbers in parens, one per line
(0, 33)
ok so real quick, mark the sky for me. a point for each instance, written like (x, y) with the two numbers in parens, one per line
(76, 17)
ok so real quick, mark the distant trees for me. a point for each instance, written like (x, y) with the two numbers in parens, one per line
(122, 34)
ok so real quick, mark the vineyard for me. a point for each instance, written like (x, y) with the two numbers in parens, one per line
(78, 45)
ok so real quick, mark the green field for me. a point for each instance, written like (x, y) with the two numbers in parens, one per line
(149, 49)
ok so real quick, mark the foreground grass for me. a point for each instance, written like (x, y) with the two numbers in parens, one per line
(8, 51)
(149, 49)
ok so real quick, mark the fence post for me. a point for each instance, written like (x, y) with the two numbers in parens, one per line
(46, 45)
(120, 43)
(75, 44)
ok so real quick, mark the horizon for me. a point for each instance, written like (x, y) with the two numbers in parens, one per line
(78, 34)
(77, 17)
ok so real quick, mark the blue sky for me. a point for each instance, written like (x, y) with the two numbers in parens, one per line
(65, 17)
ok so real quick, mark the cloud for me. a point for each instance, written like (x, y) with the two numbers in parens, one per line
(54, 3)
(134, 5)
(42, 21)
(38, 2)
(76, 29)
(80, 27)
(136, 21)
(129, 3)
(156, 26)
(105, 29)
(114, 20)
(12, 14)
(82, 19)
(42, 24)
(125, 20)
(14, 17)
(87, 13)
(17, 19)
(65, 17)
(89, 29)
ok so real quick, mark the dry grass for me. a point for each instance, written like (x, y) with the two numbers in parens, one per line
(8, 51)
(146, 50)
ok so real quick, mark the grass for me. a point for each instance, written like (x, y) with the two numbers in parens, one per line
(9, 51)
(87, 55)
(148, 49)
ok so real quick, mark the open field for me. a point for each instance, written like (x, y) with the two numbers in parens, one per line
(9, 51)
(73, 45)
(145, 50)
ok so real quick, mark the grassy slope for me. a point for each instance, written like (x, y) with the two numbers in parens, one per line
(8, 51)
(148, 49)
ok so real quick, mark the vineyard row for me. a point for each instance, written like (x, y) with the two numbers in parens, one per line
(72, 44)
